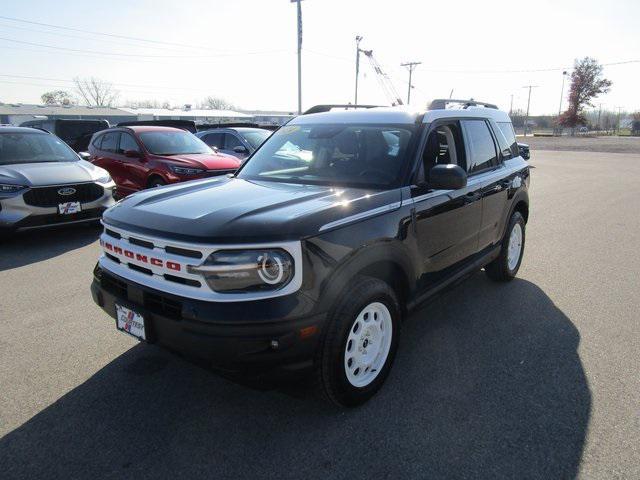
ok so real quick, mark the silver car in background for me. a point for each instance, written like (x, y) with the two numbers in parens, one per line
(43, 182)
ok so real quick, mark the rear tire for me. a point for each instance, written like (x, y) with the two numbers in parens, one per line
(506, 266)
(360, 343)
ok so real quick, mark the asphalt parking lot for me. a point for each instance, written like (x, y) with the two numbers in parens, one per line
(538, 378)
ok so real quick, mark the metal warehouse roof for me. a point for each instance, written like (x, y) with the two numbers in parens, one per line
(27, 109)
(175, 112)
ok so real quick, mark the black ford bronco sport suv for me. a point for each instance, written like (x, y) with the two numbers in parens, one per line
(308, 258)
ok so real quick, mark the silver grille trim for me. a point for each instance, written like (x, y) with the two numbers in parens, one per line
(160, 263)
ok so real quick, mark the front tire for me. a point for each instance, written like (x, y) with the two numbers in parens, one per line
(506, 266)
(156, 182)
(360, 343)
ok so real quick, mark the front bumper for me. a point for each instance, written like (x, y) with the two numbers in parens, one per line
(15, 214)
(244, 337)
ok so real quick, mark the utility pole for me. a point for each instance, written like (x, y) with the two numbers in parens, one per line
(358, 40)
(526, 118)
(564, 75)
(511, 106)
(618, 121)
(299, 55)
(410, 66)
(599, 113)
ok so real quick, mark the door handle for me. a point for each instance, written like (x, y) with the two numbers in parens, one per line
(472, 197)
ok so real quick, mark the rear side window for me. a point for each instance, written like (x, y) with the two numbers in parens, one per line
(215, 140)
(482, 149)
(110, 142)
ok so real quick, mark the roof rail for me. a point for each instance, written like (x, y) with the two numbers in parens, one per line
(327, 108)
(441, 103)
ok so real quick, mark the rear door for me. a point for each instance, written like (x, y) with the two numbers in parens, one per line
(106, 156)
(486, 174)
(135, 169)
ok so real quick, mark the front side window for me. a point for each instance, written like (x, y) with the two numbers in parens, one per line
(215, 140)
(255, 137)
(482, 150)
(127, 142)
(173, 142)
(32, 148)
(231, 141)
(356, 155)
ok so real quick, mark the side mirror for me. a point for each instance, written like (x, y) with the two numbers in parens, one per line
(84, 155)
(240, 149)
(132, 154)
(447, 177)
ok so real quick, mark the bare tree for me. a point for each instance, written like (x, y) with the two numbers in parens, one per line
(96, 92)
(57, 97)
(217, 103)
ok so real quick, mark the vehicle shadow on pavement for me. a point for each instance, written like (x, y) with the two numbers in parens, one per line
(32, 246)
(487, 384)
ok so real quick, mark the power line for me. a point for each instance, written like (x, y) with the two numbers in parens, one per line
(145, 87)
(133, 55)
(137, 39)
(85, 37)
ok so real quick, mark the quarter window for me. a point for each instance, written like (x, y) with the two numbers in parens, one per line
(506, 128)
(482, 150)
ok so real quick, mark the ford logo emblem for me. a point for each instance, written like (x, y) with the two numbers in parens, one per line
(67, 191)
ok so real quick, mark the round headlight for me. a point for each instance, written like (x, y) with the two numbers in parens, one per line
(246, 270)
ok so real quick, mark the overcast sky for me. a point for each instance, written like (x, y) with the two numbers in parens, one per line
(245, 50)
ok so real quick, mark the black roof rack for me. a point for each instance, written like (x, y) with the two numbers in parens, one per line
(441, 103)
(327, 108)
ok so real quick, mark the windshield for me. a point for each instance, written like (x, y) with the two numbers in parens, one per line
(33, 147)
(357, 155)
(173, 143)
(255, 137)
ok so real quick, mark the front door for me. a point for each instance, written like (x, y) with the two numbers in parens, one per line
(447, 221)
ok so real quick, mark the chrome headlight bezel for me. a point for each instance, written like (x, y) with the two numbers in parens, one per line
(247, 270)
(11, 188)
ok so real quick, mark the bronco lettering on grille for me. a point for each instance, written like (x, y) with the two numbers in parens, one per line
(158, 262)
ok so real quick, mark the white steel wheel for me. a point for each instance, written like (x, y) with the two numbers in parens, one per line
(368, 344)
(514, 249)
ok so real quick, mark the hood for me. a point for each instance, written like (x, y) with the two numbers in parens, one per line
(210, 161)
(50, 173)
(225, 210)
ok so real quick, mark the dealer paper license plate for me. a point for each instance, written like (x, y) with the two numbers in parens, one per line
(130, 322)
(68, 208)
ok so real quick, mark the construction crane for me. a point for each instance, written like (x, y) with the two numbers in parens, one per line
(383, 79)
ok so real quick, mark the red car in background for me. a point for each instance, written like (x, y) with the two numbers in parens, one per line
(140, 157)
